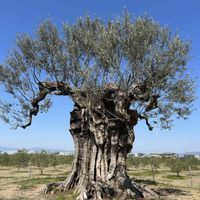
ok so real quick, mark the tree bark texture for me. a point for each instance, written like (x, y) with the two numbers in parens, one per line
(103, 136)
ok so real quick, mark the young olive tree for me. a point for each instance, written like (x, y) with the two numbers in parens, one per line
(5, 159)
(117, 73)
(42, 160)
(175, 165)
(21, 158)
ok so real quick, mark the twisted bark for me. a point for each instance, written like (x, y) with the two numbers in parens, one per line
(103, 137)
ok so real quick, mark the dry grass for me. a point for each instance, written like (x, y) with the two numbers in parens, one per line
(16, 185)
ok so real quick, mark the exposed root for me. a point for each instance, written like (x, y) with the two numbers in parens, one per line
(100, 191)
(96, 191)
(150, 193)
(103, 191)
(99, 170)
(54, 187)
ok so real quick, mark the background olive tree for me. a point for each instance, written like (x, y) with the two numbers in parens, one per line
(21, 158)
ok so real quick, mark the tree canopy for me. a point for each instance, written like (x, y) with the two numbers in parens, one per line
(137, 56)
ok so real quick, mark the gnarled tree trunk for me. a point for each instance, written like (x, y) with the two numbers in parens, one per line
(103, 136)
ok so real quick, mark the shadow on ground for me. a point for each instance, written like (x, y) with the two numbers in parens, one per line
(145, 181)
(162, 192)
(170, 191)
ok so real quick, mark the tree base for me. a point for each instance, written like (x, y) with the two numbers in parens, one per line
(100, 191)
(102, 143)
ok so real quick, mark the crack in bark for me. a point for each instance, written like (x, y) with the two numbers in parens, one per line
(103, 136)
(101, 148)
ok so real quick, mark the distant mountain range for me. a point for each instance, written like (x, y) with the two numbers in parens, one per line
(35, 149)
(53, 150)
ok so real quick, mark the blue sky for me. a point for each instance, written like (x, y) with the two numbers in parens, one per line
(50, 130)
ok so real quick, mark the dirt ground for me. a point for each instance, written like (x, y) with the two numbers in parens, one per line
(16, 185)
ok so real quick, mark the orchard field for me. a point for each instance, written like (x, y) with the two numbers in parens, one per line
(23, 176)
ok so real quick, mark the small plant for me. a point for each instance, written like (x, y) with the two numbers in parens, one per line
(60, 196)
(175, 165)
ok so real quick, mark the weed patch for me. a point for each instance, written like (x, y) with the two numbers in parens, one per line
(143, 173)
(30, 183)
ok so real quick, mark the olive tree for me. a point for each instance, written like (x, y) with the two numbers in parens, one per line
(175, 165)
(5, 159)
(117, 73)
(42, 160)
(21, 158)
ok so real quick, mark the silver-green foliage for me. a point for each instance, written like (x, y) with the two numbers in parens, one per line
(90, 54)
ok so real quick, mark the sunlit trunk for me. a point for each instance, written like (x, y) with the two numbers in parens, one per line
(102, 143)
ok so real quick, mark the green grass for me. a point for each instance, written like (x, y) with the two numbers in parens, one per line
(175, 177)
(30, 183)
(60, 197)
(69, 195)
(142, 173)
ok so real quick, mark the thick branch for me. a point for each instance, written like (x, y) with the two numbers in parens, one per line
(147, 122)
(153, 103)
(45, 88)
(138, 93)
